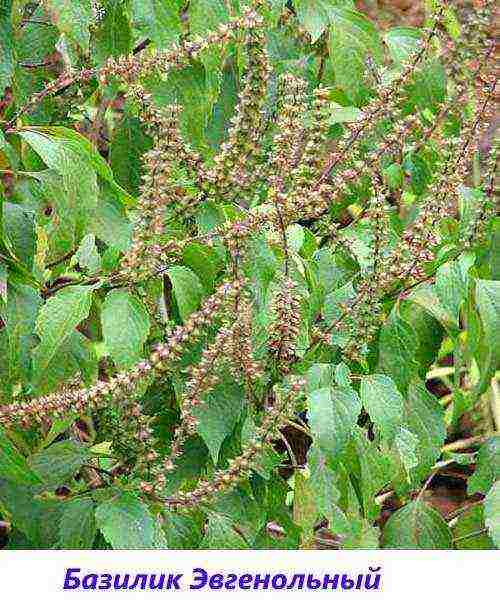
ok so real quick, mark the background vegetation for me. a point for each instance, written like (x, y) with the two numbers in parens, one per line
(249, 275)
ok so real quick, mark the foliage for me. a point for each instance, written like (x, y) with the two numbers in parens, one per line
(249, 276)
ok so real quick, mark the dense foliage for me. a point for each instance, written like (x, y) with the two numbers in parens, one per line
(249, 275)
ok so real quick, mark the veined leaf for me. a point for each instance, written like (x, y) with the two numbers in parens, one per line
(492, 513)
(125, 327)
(332, 414)
(77, 528)
(127, 524)
(402, 42)
(57, 320)
(220, 535)
(353, 39)
(417, 526)
(72, 17)
(59, 463)
(488, 303)
(113, 36)
(158, 20)
(314, 15)
(487, 467)
(219, 414)
(187, 290)
(6, 45)
(424, 418)
(128, 144)
(383, 402)
(13, 465)
(468, 532)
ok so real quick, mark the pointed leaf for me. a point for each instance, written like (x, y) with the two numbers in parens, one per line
(487, 467)
(125, 327)
(220, 535)
(417, 526)
(383, 402)
(187, 289)
(13, 465)
(332, 414)
(77, 528)
(57, 320)
(127, 524)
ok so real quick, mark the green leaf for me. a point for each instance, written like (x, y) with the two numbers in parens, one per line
(353, 38)
(424, 418)
(79, 180)
(487, 467)
(488, 304)
(6, 45)
(128, 144)
(76, 354)
(57, 320)
(218, 415)
(428, 87)
(314, 15)
(395, 176)
(20, 231)
(87, 255)
(402, 42)
(373, 470)
(58, 427)
(220, 535)
(204, 16)
(110, 223)
(334, 269)
(492, 513)
(8, 152)
(187, 289)
(332, 414)
(428, 332)
(13, 465)
(406, 444)
(36, 518)
(383, 402)
(127, 524)
(268, 459)
(363, 536)
(188, 88)
(417, 526)
(77, 528)
(72, 155)
(243, 509)
(158, 20)
(113, 36)
(398, 347)
(468, 532)
(204, 262)
(323, 483)
(184, 532)
(304, 507)
(125, 327)
(319, 376)
(23, 303)
(59, 463)
(344, 114)
(425, 296)
(420, 172)
(452, 284)
(72, 17)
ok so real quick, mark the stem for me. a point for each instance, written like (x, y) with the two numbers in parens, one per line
(470, 535)
(468, 443)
